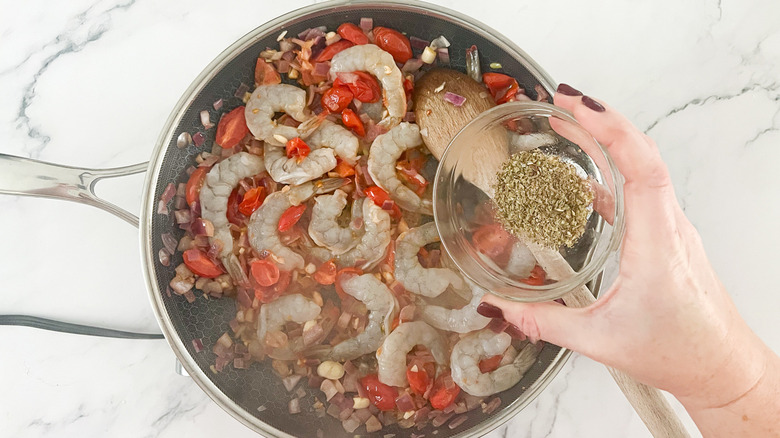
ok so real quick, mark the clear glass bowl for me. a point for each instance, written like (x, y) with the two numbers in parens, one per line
(464, 183)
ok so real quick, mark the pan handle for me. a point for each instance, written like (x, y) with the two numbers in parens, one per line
(27, 177)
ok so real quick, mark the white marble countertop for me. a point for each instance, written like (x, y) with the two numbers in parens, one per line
(90, 83)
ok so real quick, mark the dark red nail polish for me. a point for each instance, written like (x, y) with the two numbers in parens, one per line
(592, 104)
(489, 311)
(568, 90)
(514, 331)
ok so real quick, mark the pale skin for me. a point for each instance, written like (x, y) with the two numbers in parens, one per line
(667, 320)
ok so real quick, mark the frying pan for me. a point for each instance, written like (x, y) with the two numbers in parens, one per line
(242, 392)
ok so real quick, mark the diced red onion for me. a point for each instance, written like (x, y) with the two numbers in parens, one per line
(209, 161)
(202, 227)
(450, 409)
(455, 99)
(388, 205)
(169, 242)
(440, 42)
(198, 139)
(240, 363)
(313, 335)
(344, 319)
(289, 56)
(421, 415)
(218, 105)
(409, 117)
(294, 407)
(444, 55)
(541, 93)
(457, 421)
(329, 389)
(315, 381)
(168, 193)
(220, 363)
(418, 43)
(350, 424)
(183, 216)
(162, 208)
(373, 424)
(234, 325)
(286, 46)
(492, 405)
(284, 66)
(197, 344)
(165, 257)
(471, 401)
(290, 381)
(179, 202)
(244, 298)
(334, 411)
(441, 419)
(205, 119)
(460, 407)
(321, 69)
(366, 23)
(405, 403)
(241, 90)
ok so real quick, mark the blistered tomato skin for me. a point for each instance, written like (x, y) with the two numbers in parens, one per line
(393, 42)
(382, 396)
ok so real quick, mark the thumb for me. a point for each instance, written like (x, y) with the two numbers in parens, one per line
(550, 321)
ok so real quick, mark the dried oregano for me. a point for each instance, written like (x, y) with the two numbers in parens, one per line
(541, 198)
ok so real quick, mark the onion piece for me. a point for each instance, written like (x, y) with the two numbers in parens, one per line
(183, 216)
(241, 90)
(198, 345)
(366, 23)
(321, 69)
(440, 42)
(457, 421)
(350, 424)
(218, 105)
(294, 407)
(455, 99)
(205, 120)
(290, 381)
(388, 205)
(409, 117)
(405, 403)
(418, 43)
(444, 55)
(329, 389)
(165, 257)
(491, 406)
(198, 139)
(168, 193)
(412, 65)
(162, 208)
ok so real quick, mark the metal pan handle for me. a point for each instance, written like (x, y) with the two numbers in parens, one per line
(27, 177)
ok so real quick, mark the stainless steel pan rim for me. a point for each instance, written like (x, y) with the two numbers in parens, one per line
(149, 204)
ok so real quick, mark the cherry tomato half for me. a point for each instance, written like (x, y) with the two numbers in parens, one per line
(270, 293)
(336, 99)
(489, 364)
(441, 395)
(381, 395)
(393, 42)
(297, 148)
(265, 272)
(232, 128)
(200, 264)
(351, 32)
(493, 241)
(363, 86)
(253, 199)
(379, 196)
(537, 277)
(265, 73)
(233, 213)
(343, 168)
(326, 273)
(329, 51)
(290, 217)
(502, 87)
(192, 190)
(353, 122)
(418, 379)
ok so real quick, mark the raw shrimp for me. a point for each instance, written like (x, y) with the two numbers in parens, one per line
(295, 308)
(391, 356)
(429, 282)
(385, 151)
(264, 222)
(291, 171)
(474, 347)
(219, 183)
(381, 306)
(324, 228)
(463, 320)
(370, 58)
(336, 137)
(266, 101)
(374, 242)
(521, 261)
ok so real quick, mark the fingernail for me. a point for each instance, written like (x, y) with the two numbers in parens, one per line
(515, 332)
(568, 90)
(592, 104)
(489, 311)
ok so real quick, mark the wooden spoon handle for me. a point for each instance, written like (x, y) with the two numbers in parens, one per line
(651, 405)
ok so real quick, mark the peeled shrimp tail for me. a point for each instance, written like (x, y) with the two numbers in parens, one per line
(385, 152)
(463, 320)
(391, 356)
(429, 282)
(379, 302)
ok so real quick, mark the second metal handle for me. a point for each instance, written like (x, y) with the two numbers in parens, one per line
(27, 177)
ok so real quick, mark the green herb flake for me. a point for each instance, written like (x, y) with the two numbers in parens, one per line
(541, 198)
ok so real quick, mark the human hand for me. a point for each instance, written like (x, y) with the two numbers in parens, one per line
(667, 321)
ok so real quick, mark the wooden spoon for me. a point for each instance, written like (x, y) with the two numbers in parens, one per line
(439, 121)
